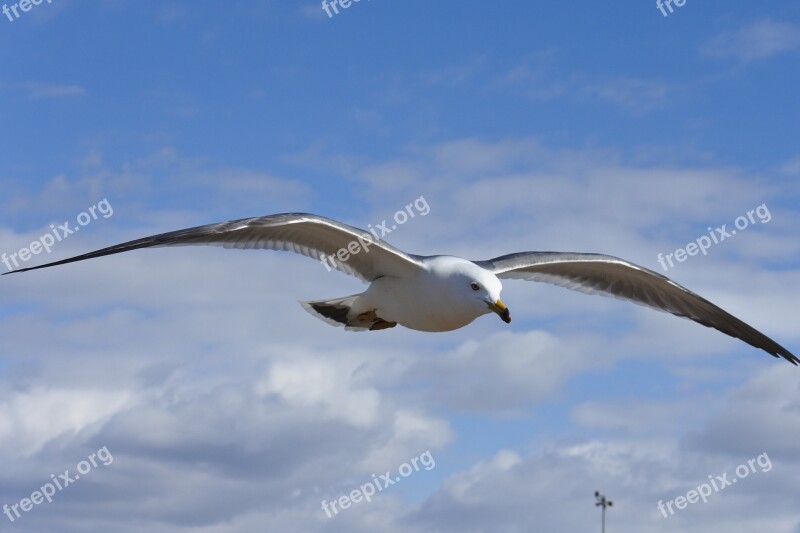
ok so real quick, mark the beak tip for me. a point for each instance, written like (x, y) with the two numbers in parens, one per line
(502, 311)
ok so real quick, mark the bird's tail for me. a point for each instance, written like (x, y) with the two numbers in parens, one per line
(336, 312)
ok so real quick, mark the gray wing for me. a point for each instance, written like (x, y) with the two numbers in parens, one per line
(611, 276)
(302, 233)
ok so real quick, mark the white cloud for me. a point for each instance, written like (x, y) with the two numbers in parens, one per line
(758, 40)
(324, 385)
(503, 372)
(791, 167)
(38, 90)
(31, 419)
(635, 95)
(535, 77)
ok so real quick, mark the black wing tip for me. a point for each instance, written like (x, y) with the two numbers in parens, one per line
(46, 265)
(780, 352)
(17, 271)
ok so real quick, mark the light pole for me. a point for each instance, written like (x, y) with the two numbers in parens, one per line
(602, 501)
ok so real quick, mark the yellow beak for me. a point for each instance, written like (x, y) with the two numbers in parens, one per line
(500, 308)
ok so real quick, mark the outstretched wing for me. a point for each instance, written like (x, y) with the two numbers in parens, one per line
(313, 236)
(611, 276)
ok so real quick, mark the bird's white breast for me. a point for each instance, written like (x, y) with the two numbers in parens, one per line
(425, 302)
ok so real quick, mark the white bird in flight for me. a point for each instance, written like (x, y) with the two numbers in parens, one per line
(440, 292)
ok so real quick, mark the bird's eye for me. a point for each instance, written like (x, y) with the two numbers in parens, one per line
(475, 286)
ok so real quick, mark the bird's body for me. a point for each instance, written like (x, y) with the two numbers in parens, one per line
(429, 298)
(441, 293)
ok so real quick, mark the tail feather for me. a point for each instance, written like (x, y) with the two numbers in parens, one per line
(331, 311)
(336, 312)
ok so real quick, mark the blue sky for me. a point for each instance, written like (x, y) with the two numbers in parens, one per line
(597, 127)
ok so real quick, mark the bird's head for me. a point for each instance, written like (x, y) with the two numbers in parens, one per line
(480, 289)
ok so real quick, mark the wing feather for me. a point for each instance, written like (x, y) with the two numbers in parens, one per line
(306, 234)
(611, 276)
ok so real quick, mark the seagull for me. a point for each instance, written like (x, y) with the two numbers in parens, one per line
(439, 292)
